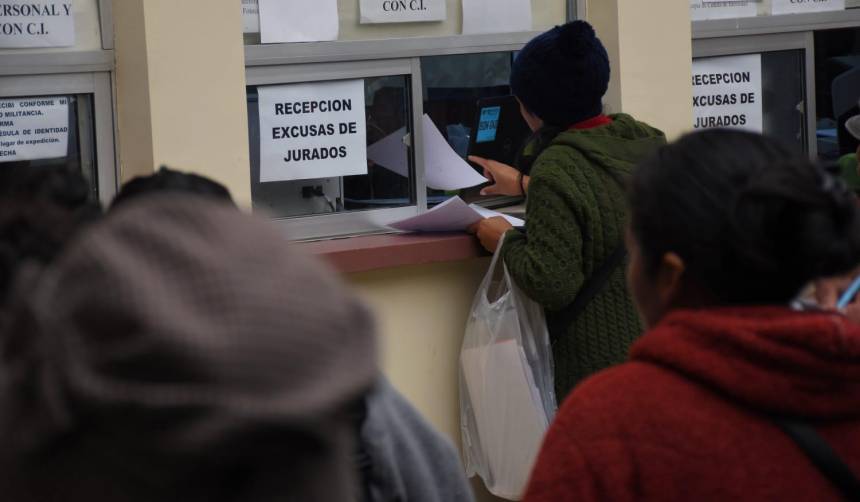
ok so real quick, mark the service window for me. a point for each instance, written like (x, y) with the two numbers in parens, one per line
(49, 131)
(56, 105)
(737, 85)
(384, 111)
(58, 120)
(453, 86)
(415, 74)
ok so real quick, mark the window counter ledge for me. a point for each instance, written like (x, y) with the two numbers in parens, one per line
(377, 252)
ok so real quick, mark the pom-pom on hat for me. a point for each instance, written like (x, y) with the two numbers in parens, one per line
(562, 75)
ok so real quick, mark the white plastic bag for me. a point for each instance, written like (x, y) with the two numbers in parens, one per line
(507, 397)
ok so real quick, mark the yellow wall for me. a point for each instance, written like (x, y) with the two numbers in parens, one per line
(651, 52)
(422, 313)
(181, 89)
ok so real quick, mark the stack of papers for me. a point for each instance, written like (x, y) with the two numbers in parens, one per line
(453, 215)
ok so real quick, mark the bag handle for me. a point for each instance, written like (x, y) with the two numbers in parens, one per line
(822, 456)
(559, 322)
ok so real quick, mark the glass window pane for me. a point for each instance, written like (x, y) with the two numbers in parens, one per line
(837, 91)
(783, 91)
(80, 152)
(783, 83)
(387, 111)
(453, 85)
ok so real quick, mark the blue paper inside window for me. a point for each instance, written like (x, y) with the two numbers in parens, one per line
(489, 124)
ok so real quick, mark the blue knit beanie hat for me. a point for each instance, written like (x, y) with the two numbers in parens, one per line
(562, 75)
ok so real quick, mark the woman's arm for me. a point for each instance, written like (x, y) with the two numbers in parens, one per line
(547, 265)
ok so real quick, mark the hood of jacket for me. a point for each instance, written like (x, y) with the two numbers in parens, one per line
(772, 360)
(619, 145)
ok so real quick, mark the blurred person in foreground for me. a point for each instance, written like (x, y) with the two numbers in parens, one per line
(398, 455)
(730, 389)
(180, 350)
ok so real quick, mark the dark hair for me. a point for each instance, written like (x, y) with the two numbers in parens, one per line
(168, 180)
(752, 221)
(41, 209)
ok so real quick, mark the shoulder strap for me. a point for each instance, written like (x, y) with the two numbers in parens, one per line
(823, 457)
(559, 322)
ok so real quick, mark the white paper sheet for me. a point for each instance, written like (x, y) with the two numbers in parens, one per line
(453, 215)
(489, 213)
(313, 130)
(444, 169)
(779, 7)
(727, 92)
(506, 414)
(298, 21)
(496, 16)
(730, 9)
(250, 16)
(48, 23)
(391, 153)
(34, 128)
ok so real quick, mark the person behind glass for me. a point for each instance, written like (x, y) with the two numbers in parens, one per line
(726, 228)
(578, 161)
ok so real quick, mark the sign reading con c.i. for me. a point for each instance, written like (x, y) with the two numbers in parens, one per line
(311, 131)
(402, 11)
(800, 6)
(727, 92)
(36, 23)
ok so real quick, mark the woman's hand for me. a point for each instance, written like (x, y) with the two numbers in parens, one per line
(490, 231)
(828, 291)
(506, 180)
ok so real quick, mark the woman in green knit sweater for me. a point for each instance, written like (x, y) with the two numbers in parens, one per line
(578, 162)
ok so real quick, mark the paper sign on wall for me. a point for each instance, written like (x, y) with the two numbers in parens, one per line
(250, 16)
(46, 23)
(800, 6)
(701, 10)
(496, 16)
(34, 128)
(298, 21)
(727, 92)
(314, 130)
(402, 11)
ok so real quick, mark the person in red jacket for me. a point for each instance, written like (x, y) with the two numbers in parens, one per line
(726, 228)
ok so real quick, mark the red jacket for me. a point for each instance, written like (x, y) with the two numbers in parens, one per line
(685, 418)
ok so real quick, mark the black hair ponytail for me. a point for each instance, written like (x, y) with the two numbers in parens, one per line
(753, 222)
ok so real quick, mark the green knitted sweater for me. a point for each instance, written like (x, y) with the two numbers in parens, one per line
(575, 218)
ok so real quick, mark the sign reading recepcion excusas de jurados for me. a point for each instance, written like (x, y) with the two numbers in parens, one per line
(36, 23)
(312, 130)
(727, 92)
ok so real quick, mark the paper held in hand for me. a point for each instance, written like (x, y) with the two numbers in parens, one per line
(444, 169)
(453, 215)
